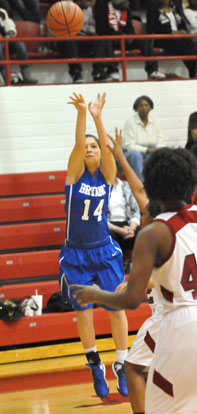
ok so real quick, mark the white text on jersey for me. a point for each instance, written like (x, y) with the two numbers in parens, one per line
(92, 191)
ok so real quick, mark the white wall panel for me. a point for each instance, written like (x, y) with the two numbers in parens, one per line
(37, 127)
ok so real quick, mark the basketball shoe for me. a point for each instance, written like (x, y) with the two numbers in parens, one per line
(113, 74)
(118, 370)
(100, 383)
(157, 75)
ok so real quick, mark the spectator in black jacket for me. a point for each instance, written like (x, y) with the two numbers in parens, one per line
(27, 9)
(166, 16)
(114, 18)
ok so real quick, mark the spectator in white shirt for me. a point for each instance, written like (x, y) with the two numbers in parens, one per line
(124, 218)
(191, 144)
(191, 15)
(141, 134)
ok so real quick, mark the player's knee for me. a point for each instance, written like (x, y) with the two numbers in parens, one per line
(85, 316)
(117, 315)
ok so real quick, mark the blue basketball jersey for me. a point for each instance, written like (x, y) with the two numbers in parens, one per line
(86, 210)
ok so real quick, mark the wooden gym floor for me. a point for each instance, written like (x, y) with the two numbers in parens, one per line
(58, 383)
(71, 399)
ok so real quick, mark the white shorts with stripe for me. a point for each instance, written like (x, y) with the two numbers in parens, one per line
(171, 386)
(142, 349)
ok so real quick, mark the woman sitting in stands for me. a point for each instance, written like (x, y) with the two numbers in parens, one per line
(163, 17)
(191, 143)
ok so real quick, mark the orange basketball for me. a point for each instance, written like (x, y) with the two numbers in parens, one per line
(65, 19)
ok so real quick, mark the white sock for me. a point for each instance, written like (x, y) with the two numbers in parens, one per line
(93, 349)
(121, 355)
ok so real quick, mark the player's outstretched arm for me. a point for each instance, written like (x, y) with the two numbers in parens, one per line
(76, 159)
(108, 165)
(136, 185)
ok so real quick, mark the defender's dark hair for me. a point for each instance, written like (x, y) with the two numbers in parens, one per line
(170, 175)
(192, 124)
(145, 98)
(193, 149)
(154, 208)
(95, 138)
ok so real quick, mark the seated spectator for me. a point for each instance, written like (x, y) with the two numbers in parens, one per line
(124, 218)
(27, 9)
(141, 134)
(191, 143)
(86, 48)
(190, 13)
(164, 17)
(8, 29)
(114, 18)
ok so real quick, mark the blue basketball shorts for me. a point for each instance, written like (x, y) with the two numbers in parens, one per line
(102, 266)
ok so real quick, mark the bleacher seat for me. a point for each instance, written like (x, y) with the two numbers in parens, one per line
(32, 208)
(29, 29)
(28, 265)
(62, 326)
(32, 229)
(18, 291)
(36, 49)
(49, 182)
(32, 235)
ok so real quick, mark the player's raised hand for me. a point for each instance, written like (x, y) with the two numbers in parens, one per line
(85, 294)
(95, 108)
(116, 148)
(78, 101)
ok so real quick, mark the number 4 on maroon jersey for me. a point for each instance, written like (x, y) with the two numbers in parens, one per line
(189, 276)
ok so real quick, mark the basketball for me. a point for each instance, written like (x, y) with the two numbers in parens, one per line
(65, 19)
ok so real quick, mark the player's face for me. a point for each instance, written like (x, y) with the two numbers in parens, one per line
(143, 108)
(92, 152)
